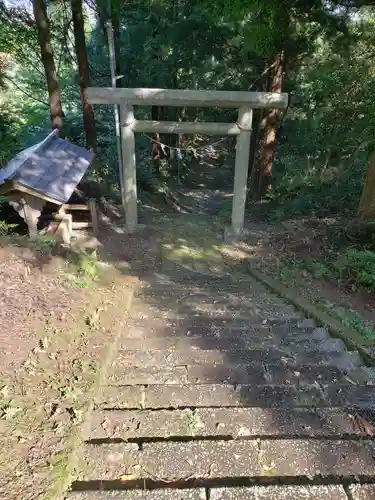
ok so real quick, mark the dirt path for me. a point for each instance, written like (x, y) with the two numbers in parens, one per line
(219, 390)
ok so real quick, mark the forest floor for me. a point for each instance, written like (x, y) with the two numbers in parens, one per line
(58, 315)
(305, 254)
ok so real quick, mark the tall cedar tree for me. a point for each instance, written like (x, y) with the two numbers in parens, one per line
(83, 68)
(46, 51)
(269, 125)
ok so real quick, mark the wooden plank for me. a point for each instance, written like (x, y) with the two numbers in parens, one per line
(81, 225)
(14, 186)
(177, 97)
(186, 127)
(6, 188)
(73, 206)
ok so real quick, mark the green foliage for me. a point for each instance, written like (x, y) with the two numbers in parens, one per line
(43, 244)
(328, 133)
(222, 45)
(358, 267)
(87, 265)
(318, 269)
(5, 228)
(353, 266)
(352, 319)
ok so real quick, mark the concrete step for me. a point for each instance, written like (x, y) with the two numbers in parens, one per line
(225, 395)
(177, 460)
(246, 307)
(224, 423)
(331, 492)
(310, 492)
(361, 492)
(347, 360)
(219, 328)
(246, 316)
(141, 494)
(256, 373)
(313, 342)
(196, 294)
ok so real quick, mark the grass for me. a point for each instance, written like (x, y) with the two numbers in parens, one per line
(81, 269)
(194, 422)
(42, 244)
(350, 318)
(290, 271)
(5, 228)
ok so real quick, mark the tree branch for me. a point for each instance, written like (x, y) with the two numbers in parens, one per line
(26, 93)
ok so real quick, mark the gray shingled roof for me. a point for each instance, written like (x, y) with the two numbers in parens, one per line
(52, 168)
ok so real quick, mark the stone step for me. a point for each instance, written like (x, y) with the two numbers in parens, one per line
(141, 494)
(347, 360)
(195, 295)
(260, 308)
(219, 329)
(208, 284)
(176, 460)
(362, 492)
(331, 492)
(161, 313)
(217, 315)
(256, 373)
(190, 281)
(287, 345)
(223, 422)
(216, 395)
(247, 309)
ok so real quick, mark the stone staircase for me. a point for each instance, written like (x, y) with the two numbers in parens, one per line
(219, 390)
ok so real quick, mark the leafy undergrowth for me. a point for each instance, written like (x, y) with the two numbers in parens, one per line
(44, 399)
(332, 263)
(354, 267)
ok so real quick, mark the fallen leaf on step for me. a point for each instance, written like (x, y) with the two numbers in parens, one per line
(127, 477)
(363, 425)
(348, 379)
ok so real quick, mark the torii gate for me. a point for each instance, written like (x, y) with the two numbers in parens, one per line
(244, 101)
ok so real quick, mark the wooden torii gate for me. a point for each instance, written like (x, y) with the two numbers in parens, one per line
(244, 101)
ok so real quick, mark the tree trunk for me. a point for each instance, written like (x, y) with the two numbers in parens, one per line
(102, 16)
(253, 184)
(83, 68)
(116, 41)
(366, 209)
(270, 123)
(46, 51)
